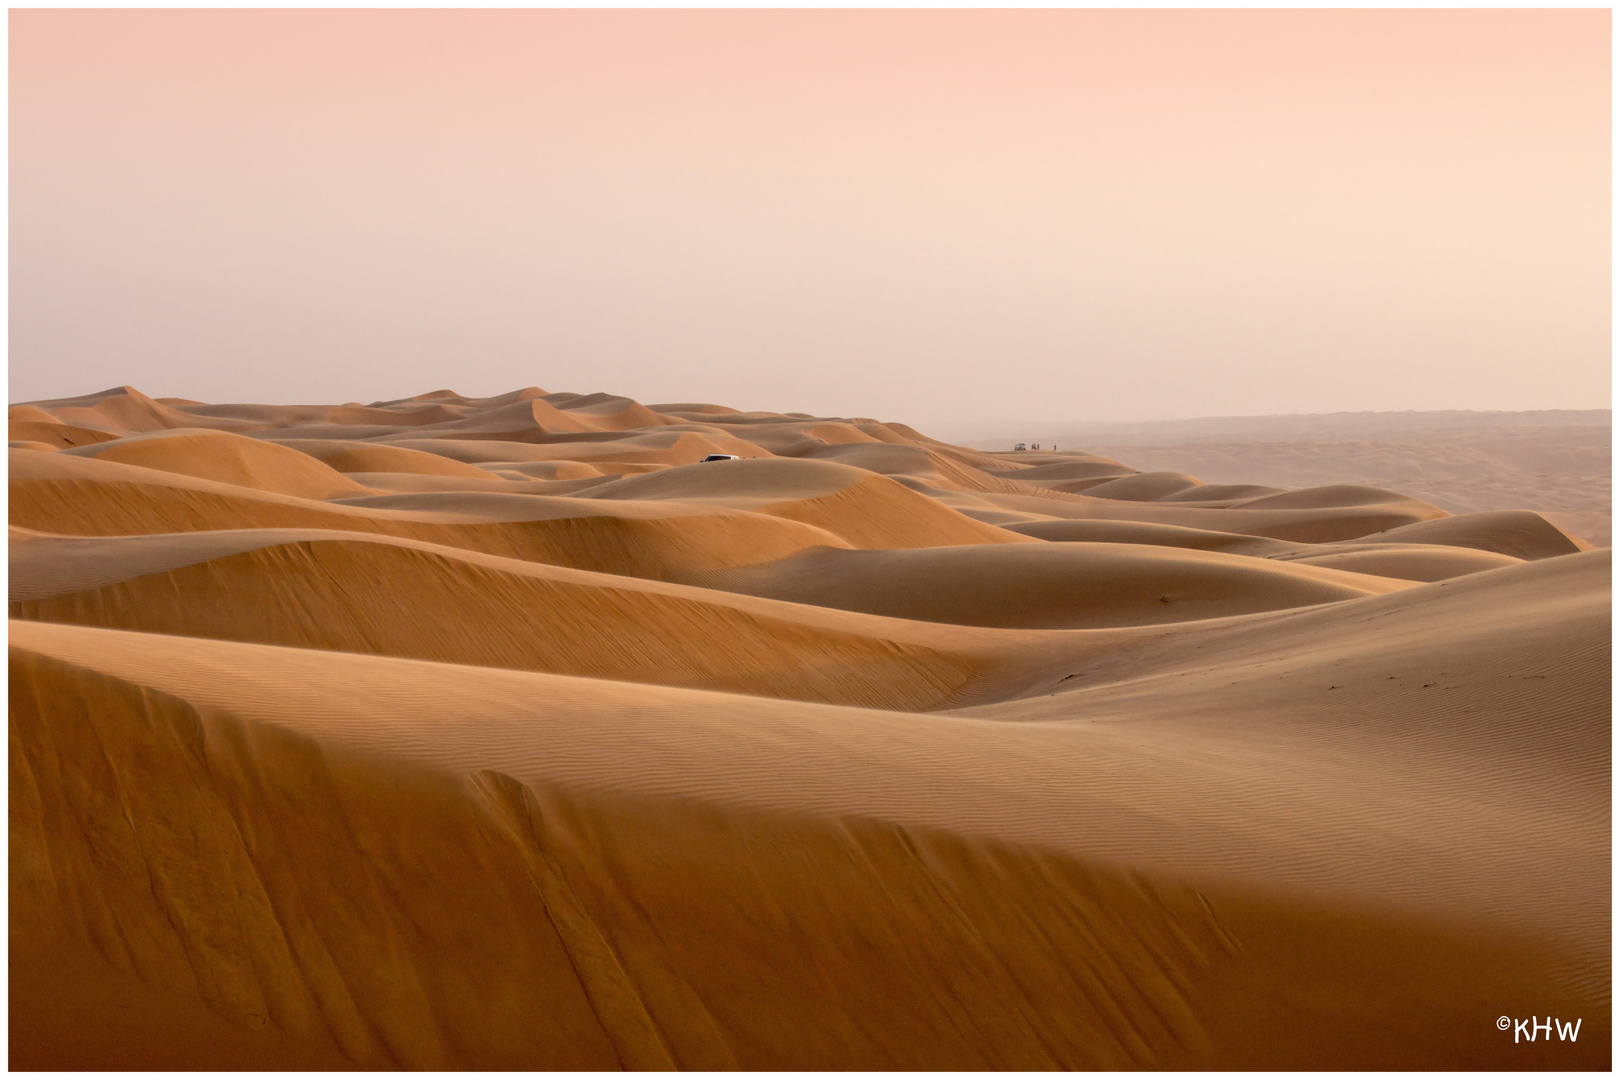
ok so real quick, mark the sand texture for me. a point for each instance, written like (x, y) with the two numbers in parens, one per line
(486, 733)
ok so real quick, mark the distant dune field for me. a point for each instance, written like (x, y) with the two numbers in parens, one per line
(477, 733)
(1553, 461)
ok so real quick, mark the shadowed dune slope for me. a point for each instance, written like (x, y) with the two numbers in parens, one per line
(1085, 467)
(1095, 531)
(1144, 487)
(55, 435)
(920, 461)
(1330, 495)
(477, 452)
(868, 511)
(1519, 533)
(1048, 585)
(1410, 562)
(345, 592)
(1311, 525)
(1415, 562)
(504, 479)
(104, 499)
(357, 457)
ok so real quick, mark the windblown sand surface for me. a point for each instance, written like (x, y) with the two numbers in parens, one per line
(508, 733)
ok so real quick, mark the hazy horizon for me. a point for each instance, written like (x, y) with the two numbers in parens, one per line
(944, 218)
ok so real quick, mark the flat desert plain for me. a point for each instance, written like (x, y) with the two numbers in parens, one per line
(510, 733)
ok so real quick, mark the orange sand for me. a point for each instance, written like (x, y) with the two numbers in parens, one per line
(505, 733)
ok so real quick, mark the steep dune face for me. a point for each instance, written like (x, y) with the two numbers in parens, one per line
(497, 613)
(578, 954)
(465, 733)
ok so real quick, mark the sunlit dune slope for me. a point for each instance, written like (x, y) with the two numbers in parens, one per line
(230, 459)
(578, 953)
(578, 777)
(506, 732)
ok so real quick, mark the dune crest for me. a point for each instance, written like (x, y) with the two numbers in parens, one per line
(446, 732)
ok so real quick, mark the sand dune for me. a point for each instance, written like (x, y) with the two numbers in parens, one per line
(1094, 530)
(866, 510)
(1369, 555)
(231, 459)
(1048, 585)
(1311, 525)
(276, 587)
(56, 435)
(348, 457)
(1143, 487)
(505, 732)
(1518, 533)
(1555, 462)
(671, 540)
(123, 410)
(1417, 562)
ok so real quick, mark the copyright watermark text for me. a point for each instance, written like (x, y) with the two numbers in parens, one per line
(1530, 1028)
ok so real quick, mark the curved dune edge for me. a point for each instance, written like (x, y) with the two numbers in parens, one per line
(633, 540)
(580, 953)
(1415, 562)
(1124, 970)
(867, 510)
(230, 459)
(1048, 586)
(57, 436)
(1370, 555)
(348, 457)
(1517, 533)
(466, 613)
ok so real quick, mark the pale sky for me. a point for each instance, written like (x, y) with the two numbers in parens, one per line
(937, 217)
